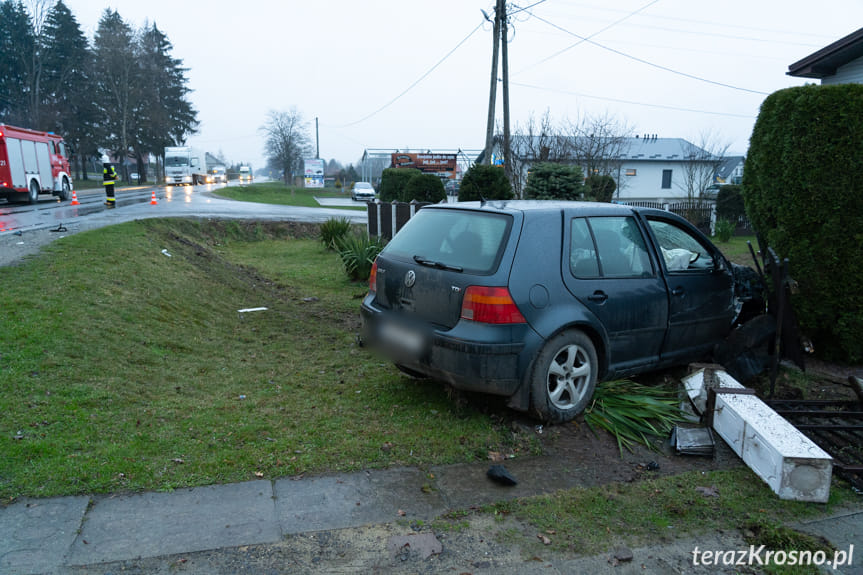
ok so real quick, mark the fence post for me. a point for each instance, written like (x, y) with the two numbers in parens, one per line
(395, 221)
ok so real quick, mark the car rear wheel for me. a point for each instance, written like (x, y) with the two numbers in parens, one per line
(563, 377)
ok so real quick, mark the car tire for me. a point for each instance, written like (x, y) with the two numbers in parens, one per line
(563, 377)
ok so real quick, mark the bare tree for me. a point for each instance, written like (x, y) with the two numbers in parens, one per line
(702, 160)
(288, 142)
(535, 141)
(596, 143)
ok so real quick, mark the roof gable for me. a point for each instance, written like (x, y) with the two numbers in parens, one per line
(827, 60)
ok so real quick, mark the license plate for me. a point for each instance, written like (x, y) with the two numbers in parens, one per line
(402, 338)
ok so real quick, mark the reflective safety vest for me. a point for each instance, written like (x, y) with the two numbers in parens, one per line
(109, 174)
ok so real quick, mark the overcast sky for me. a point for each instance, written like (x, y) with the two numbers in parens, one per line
(397, 74)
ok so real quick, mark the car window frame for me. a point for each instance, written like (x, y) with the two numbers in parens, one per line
(694, 234)
(597, 254)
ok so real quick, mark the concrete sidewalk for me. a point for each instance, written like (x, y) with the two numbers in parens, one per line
(260, 526)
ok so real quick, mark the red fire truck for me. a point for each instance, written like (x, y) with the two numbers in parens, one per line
(33, 163)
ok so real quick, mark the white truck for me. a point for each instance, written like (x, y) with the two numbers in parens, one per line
(185, 165)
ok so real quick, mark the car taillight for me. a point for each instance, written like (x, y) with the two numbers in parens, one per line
(373, 278)
(490, 305)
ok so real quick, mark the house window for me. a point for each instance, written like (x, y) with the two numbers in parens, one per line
(666, 179)
(630, 172)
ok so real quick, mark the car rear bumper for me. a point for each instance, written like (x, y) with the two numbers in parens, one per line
(470, 356)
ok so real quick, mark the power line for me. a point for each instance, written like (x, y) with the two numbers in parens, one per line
(420, 79)
(632, 102)
(597, 33)
(646, 62)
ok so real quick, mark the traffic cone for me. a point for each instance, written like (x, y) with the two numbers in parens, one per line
(75, 201)
(153, 201)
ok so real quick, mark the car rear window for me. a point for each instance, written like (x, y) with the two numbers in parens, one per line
(467, 240)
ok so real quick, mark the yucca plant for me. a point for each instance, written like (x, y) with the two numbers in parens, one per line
(632, 412)
(334, 229)
(358, 253)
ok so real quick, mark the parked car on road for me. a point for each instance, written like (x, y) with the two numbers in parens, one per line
(539, 300)
(362, 191)
(451, 187)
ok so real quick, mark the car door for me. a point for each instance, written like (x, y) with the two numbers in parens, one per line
(700, 287)
(609, 270)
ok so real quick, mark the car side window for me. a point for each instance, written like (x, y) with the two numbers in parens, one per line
(608, 247)
(681, 251)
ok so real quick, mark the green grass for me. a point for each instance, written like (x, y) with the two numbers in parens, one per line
(590, 520)
(737, 251)
(124, 369)
(278, 193)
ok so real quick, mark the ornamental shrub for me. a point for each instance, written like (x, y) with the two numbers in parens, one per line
(803, 191)
(424, 188)
(729, 203)
(393, 183)
(600, 188)
(485, 182)
(549, 181)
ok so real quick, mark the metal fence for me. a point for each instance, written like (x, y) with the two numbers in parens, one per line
(385, 219)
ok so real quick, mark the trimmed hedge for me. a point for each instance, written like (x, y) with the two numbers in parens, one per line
(549, 181)
(394, 182)
(729, 203)
(803, 190)
(484, 182)
(425, 188)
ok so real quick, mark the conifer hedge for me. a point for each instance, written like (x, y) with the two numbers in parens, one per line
(803, 190)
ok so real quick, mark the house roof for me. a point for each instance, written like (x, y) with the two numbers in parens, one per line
(647, 148)
(728, 165)
(827, 60)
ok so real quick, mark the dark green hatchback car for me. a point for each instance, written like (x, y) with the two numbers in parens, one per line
(539, 300)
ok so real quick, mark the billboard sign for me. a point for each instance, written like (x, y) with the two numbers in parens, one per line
(314, 177)
(442, 165)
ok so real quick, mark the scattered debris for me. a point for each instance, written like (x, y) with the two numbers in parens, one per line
(693, 440)
(499, 474)
(249, 309)
(545, 540)
(421, 545)
(165, 252)
(789, 462)
(310, 299)
(708, 491)
(60, 228)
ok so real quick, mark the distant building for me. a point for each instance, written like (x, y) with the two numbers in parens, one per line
(646, 168)
(730, 171)
(839, 63)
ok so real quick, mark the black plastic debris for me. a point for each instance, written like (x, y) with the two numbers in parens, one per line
(499, 474)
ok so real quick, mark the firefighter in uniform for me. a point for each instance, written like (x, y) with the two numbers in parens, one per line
(109, 174)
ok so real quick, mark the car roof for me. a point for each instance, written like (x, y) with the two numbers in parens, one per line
(539, 206)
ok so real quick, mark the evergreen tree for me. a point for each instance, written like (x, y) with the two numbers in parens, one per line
(68, 106)
(17, 50)
(165, 116)
(116, 83)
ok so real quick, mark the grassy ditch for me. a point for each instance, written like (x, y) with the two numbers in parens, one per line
(278, 193)
(124, 368)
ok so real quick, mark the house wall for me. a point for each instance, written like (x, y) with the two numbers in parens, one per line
(850, 73)
(646, 184)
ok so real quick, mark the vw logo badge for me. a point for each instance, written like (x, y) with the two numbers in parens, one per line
(410, 278)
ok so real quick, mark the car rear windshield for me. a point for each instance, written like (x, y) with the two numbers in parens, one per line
(462, 240)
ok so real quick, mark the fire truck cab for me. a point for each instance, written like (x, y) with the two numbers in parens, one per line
(33, 163)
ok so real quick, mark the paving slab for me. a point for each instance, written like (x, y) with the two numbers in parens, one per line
(36, 534)
(352, 500)
(197, 519)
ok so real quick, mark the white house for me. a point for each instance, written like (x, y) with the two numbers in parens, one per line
(646, 168)
(839, 63)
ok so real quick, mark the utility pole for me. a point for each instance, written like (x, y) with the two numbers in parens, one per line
(507, 159)
(489, 129)
(317, 141)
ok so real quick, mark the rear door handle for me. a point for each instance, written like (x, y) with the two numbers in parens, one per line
(598, 297)
(678, 291)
